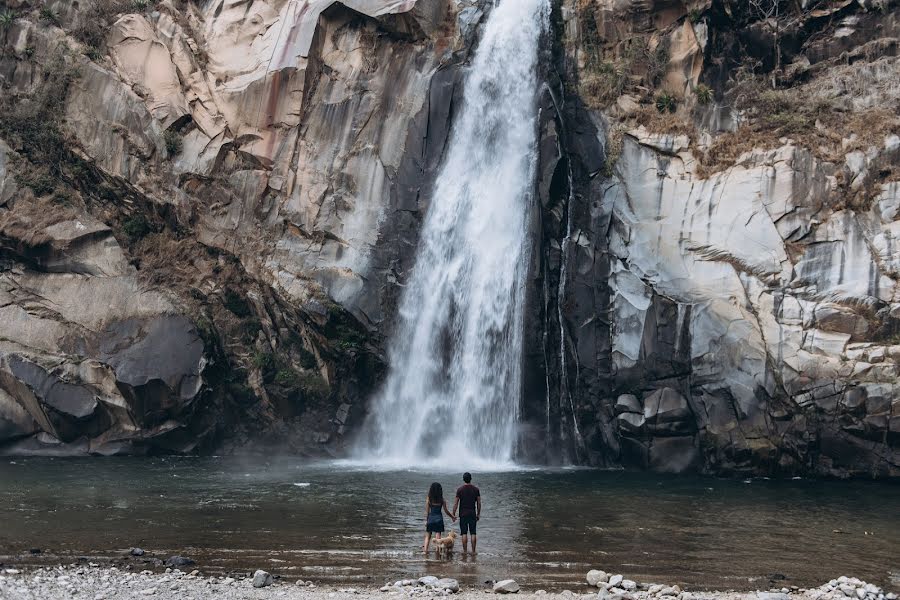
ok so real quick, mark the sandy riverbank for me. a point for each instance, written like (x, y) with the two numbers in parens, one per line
(104, 583)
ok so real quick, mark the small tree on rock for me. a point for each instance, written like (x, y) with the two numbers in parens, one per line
(769, 12)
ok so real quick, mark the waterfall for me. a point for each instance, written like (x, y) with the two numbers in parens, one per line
(453, 388)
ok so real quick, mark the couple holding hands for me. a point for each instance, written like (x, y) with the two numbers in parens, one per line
(468, 501)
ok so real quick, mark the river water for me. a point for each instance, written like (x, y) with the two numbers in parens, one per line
(339, 522)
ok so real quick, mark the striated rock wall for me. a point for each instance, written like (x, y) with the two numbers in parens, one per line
(739, 238)
(204, 211)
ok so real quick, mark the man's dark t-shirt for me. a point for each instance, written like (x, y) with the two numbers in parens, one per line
(467, 495)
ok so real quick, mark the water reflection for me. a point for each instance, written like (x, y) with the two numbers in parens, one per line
(338, 522)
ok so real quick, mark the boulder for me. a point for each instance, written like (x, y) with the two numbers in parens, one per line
(447, 583)
(595, 577)
(262, 579)
(428, 580)
(666, 406)
(628, 403)
(179, 561)
(507, 586)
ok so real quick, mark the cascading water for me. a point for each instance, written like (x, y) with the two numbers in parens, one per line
(453, 390)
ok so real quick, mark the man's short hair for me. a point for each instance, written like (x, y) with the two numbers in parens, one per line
(467, 477)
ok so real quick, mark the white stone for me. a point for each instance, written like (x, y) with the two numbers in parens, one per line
(595, 576)
(507, 586)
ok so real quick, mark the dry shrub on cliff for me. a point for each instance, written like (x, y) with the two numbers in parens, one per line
(803, 116)
(30, 219)
(663, 123)
(95, 19)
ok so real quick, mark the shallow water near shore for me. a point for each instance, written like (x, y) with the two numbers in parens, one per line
(349, 523)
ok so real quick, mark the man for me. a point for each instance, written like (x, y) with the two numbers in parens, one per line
(468, 500)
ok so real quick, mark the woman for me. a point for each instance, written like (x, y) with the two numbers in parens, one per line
(434, 520)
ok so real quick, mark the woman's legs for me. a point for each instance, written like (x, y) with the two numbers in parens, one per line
(427, 542)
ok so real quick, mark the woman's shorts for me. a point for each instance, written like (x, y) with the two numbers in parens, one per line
(435, 527)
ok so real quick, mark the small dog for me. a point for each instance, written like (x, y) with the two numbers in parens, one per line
(446, 543)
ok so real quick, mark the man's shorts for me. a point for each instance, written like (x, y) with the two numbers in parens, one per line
(467, 525)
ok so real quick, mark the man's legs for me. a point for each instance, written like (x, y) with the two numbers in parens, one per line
(465, 523)
(474, 542)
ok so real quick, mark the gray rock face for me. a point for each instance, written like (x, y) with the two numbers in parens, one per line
(729, 322)
(294, 169)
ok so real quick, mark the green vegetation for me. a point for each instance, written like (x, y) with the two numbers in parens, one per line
(236, 303)
(704, 94)
(47, 15)
(95, 54)
(173, 142)
(264, 361)
(307, 358)
(666, 102)
(287, 377)
(136, 227)
(7, 18)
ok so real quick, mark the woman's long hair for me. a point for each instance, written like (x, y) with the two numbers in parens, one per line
(436, 494)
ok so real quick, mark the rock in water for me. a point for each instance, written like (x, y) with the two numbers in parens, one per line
(507, 586)
(595, 577)
(446, 583)
(177, 561)
(137, 552)
(262, 579)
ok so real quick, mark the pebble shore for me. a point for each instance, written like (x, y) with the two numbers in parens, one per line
(93, 582)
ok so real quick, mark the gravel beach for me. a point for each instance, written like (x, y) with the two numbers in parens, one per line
(93, 582)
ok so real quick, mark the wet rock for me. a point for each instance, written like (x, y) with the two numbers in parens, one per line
(179, 561)
(507, 586)
(262, 579)
(137, 552)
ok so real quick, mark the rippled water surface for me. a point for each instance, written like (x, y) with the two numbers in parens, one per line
(337, 521)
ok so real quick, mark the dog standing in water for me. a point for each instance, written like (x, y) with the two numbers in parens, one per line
(446, 543)
(434, 519)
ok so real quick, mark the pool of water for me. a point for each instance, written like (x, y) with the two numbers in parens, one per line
(334, 522)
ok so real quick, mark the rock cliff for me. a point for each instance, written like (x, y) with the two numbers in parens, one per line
(742, 221)
(207, 211)
(204, 211)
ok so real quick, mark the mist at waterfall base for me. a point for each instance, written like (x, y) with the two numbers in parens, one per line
(356, 527)
(452, 392)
